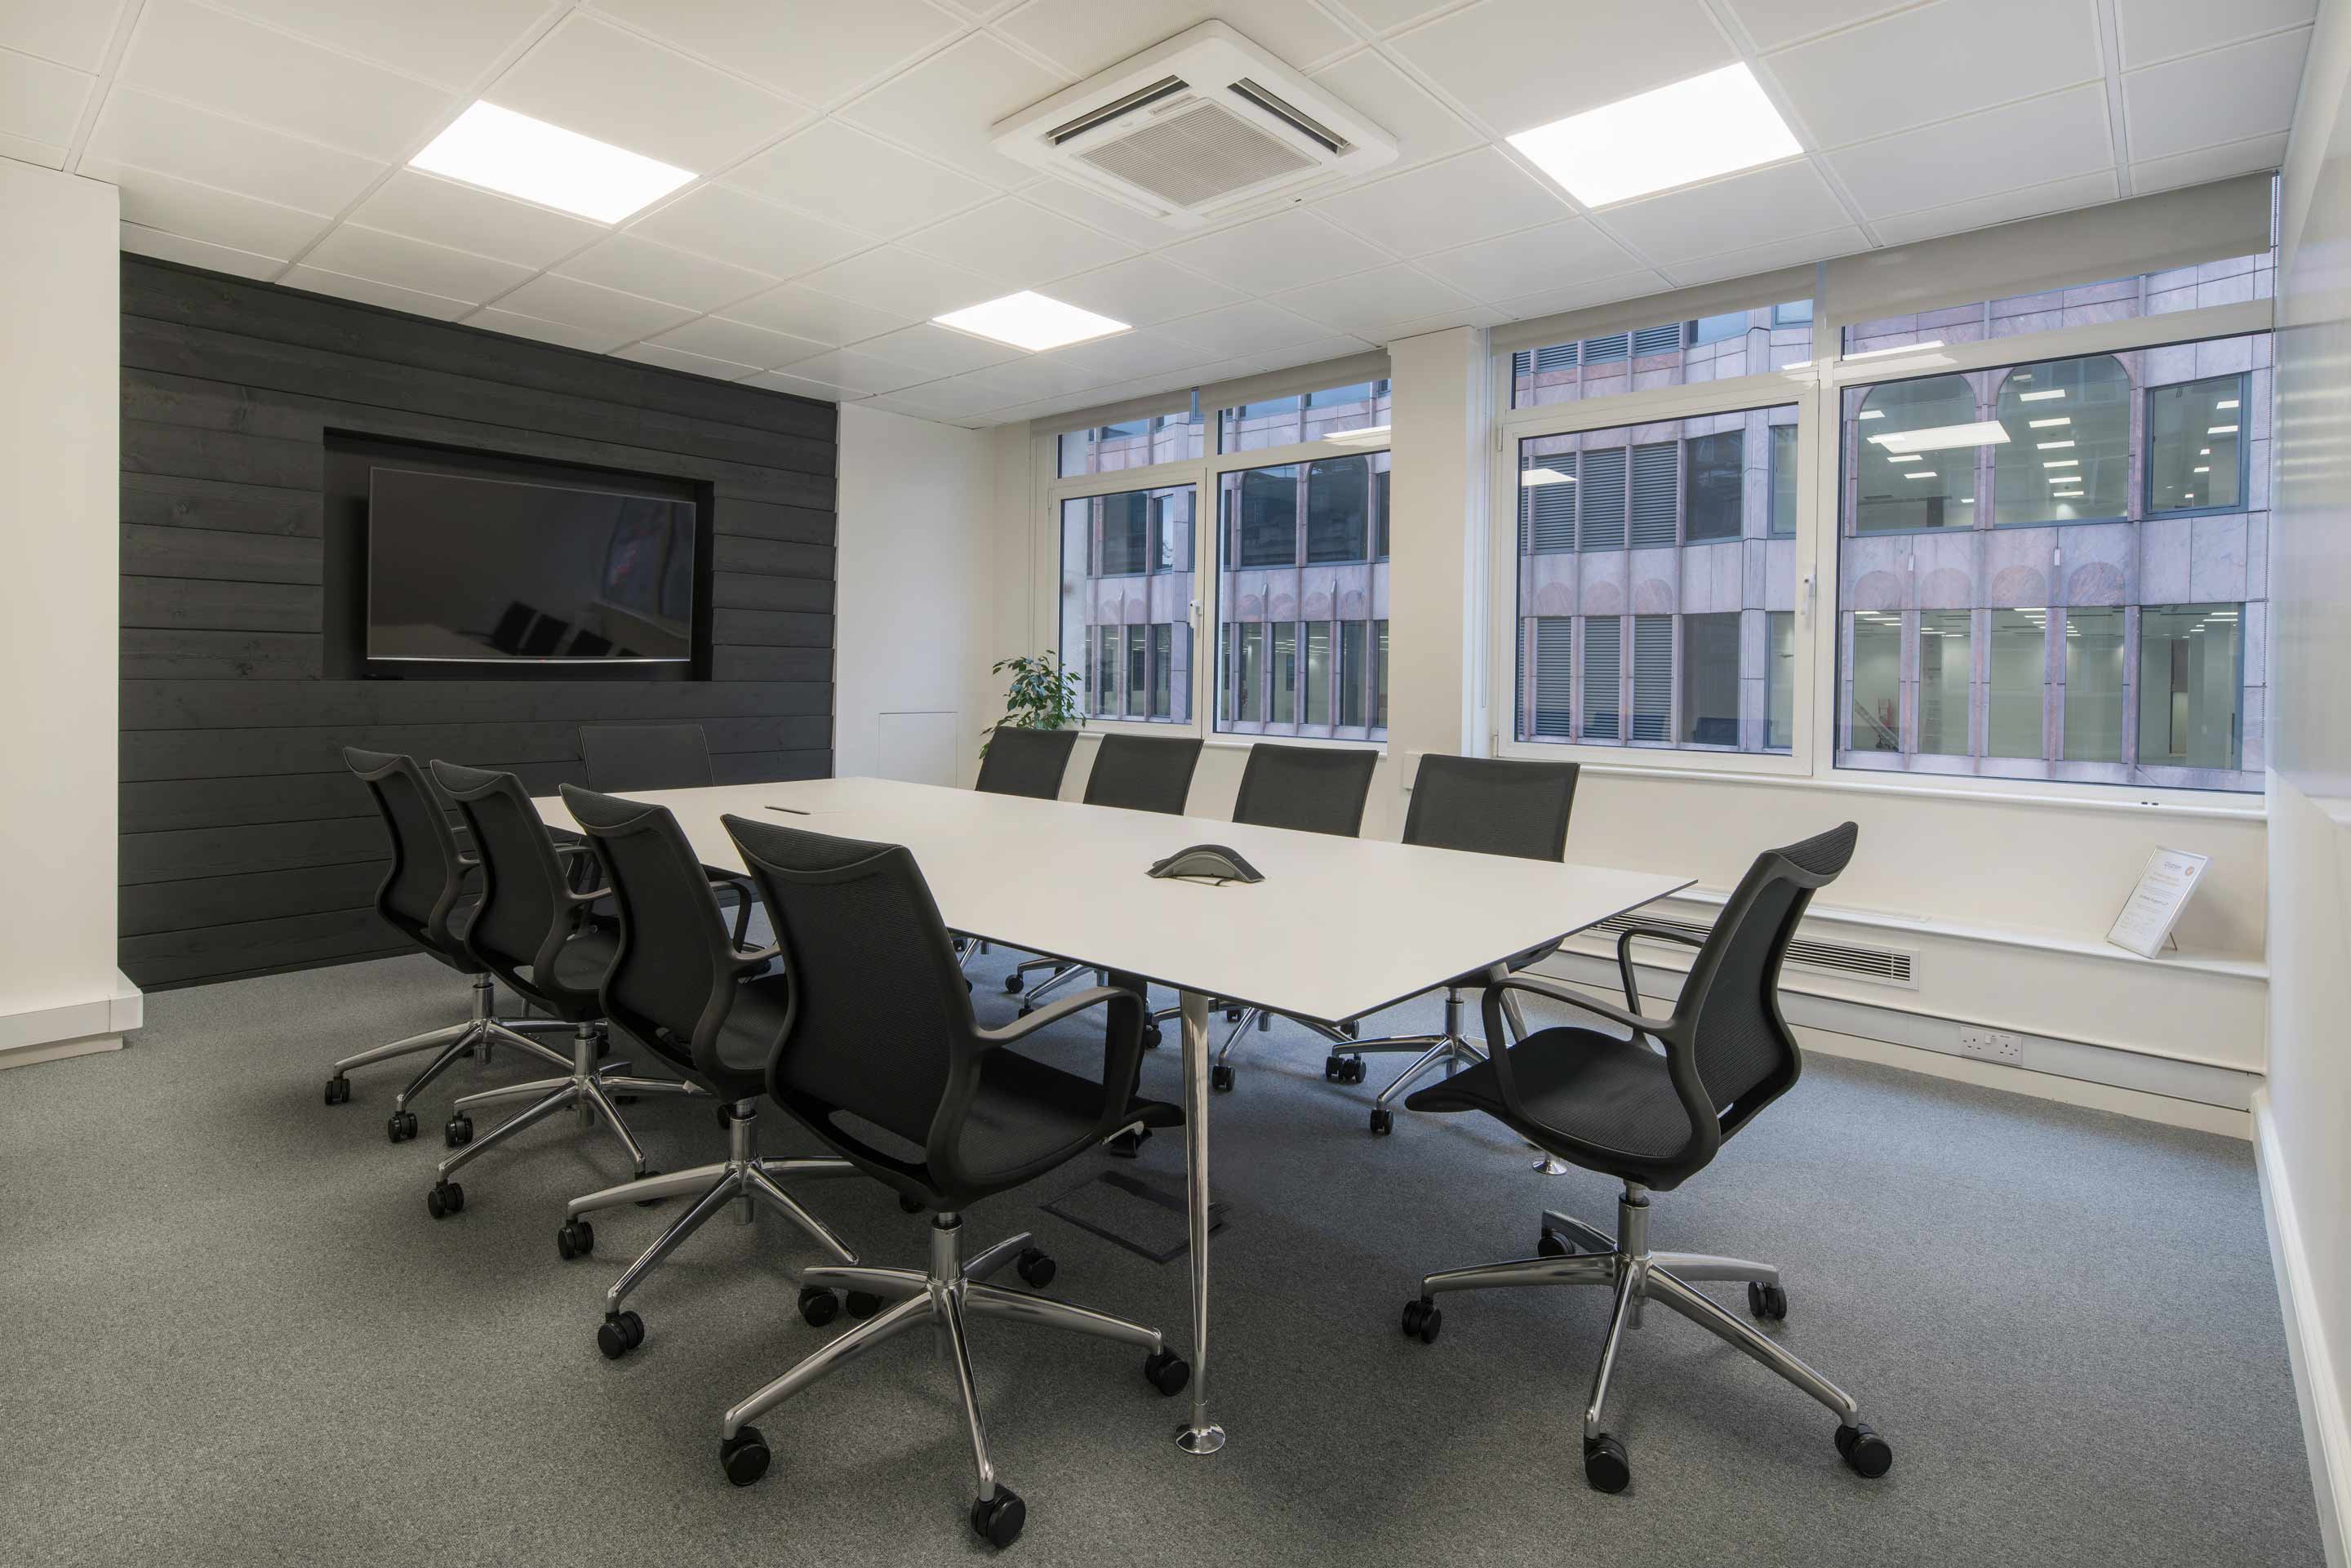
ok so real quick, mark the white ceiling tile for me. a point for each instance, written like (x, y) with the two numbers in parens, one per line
(1548, 257)
(1020, 243)
(2045, 139)
(593, 77)
(71, 34)
(217, 217)
(841, 174)
(1382, 15)
(804, 313)
(906, 283)
(415, 264)
(1283, 251)
(1422, 127)
(599, 309)
(1246, 328)
(1518, 64)
(945, 105)
(1935, 62)
(1034, 377)
(1744, 210)
(1141, 290)
(858, 371)
(722, 222)
(1372, 304)
(25, 150)
(2056, 196)
(800, 386)
(939, 400)
(678, 359)
(40, 99)
(1750, 259)
(425, 206)
(165, 246)
(941, 351)
(1577, 295)
(815, 51)
(174, 138)
(451, 42)
(369, 291)
(2229, 95)
(1100, 212)
(719, 338)
(2209, 163)
(1773, 23)
(1083, 37)
(491, 320)
(1475, 196)
(638, 266)
(1445, 320)
(1128, 354)
(251, 72)
(2154, 30)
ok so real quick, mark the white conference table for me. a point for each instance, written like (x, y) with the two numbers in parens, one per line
(1339, 928)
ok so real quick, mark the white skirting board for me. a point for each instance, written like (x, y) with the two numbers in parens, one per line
(2317, 1389)
(77, 1028)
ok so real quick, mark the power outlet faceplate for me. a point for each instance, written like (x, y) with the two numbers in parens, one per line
(1990, 1045)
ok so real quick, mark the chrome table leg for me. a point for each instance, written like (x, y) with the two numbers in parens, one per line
(1199, 1435)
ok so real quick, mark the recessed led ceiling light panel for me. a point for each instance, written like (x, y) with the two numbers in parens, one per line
(1943, 438)
(1694, 130)
(516, 155)
(1031, 322)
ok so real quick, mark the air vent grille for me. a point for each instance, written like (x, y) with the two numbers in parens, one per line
(1196, 156)
(1290, 114)
(1141, 98)
(1884, 966)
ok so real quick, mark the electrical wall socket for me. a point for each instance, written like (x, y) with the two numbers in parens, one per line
(1990, 1045)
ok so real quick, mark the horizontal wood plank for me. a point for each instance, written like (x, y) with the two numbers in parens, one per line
(275, 846)
(770, 767)
(748, 590)
(737, 518)
(179, 451)
(158, 653)
(220, 506)
(185, 604)
(172, 956)
(228, 705)
(773, 557)
(771, 629)
(743, 661)
(185, 552)
(150, 908)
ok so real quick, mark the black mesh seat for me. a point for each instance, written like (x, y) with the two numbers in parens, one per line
(884, 1061)
(1026, 762)
(1653, 1111)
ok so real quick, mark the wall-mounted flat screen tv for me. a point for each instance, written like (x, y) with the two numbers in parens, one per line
(469, 570)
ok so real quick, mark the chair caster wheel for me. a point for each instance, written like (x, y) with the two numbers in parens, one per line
(338, 1090)
(1167, 1371)
(620, 1334)
(1767, 1301)
(648, 1202)
(401, 1126)
(1232, 1015)
(459, 1132)
(1332, 1067)
(1151, 1036)
(1422, 1318)
(909, 1204)
(1033, 1266)
(1383, 1121)
(1864, 1452)
(1605, 1467)
(574, 1239)
(997, 1519)
(443, 1200)
(1012, 986)
(862, 1303)
(1352, 1030)
(1128, 1145)
(1550, 1246)
(1221, 1078)
(1025, 1010)
(819, 1305)
(744, 1456)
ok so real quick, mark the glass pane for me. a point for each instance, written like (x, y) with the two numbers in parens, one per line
(1318, 673)
(1666, 354)
(1106, 648)
(1125, 521)
(1783, 481)
(1603, 662)
(1250, 708)
(1653, 677)
(1261, 516)
(1163, 671)
(1795, 312)
(1944, 665)
(1309, 416)
(1285, 672)
(1127, 562)
(1875, 682)
(1353, 676)
(1138, 671)
(2088, 303)
(1379, 675)
(2093, 686)
(1710, 679)
(2194, 445)
(1780, 680)
(1714, 329)
(1338, 509)
(1716, 485)
(1546, 496)
(2017, 664)
(1131, 444)
(1916, 483)
(2067, 456)
(2190, 684)
(1379, 506)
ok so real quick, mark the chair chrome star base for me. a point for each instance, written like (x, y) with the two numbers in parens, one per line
(947, 1295)
(478, 1032)
(1573, 1251)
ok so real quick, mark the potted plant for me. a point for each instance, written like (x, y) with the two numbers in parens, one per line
(1043, 696)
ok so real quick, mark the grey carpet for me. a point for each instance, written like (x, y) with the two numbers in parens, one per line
(235, 1337)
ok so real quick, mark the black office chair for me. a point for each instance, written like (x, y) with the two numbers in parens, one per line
(534, 932)
(1483, 805)
(1307, 790)
(881, 1059)
(425, 898)
(680, 989)
(1652, 1118)
(1028, 762)
(625, 759)
(1134, 773)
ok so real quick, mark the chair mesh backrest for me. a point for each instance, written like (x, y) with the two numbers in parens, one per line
(1740, 1041)
(521, 882)
(424, 847)
(876, 996)
(1026, 762)
(664, 981)
(621, 757)
(1143, 772)
(1309, 790)
(1492, 806)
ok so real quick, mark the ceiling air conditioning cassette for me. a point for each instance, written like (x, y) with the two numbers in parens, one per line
(1194, 129)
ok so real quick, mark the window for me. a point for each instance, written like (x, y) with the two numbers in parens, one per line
(2190, 658)
(1603, 662)
(1783, 482)
(1909, 484)
(1945, 647)
(1126, 596)
(1306, 417)
(1673, 353)
(1379, 675)
(1131, 444)
(1285, 673)
(2195, 456)
(1338, 509)
(1875, 682)
(1138, 671)
(1710, 680)
(1316, 712)
(2093, 686)
(2079, 305)
(2067, 455)
(1266, 525)
(1717, 486)
(2017, 681)
(1778, 680)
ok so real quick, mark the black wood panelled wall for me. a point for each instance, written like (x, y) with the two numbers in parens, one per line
(244, 847)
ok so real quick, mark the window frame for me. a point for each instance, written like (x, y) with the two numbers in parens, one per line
(2145, 411)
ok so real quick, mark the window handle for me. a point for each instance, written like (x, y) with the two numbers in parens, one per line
(1812, 598)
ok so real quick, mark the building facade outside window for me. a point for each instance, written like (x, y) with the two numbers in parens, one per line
(1126, 598)
(1302, 416)
(1669, 354)
(2228, 282)
(1173, 437)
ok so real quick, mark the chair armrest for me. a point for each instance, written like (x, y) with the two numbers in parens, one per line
(1624, 954)
(1574, 998)
(1075, 1002)
(743, 962)
(744, 898)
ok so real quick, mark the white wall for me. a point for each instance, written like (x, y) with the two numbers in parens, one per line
(2305, 1132)
(60, 454)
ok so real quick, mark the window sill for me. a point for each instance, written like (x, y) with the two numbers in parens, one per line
(1997, 797)
(1221, 742)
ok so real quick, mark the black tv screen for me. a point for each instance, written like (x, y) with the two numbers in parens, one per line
(475, 570)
